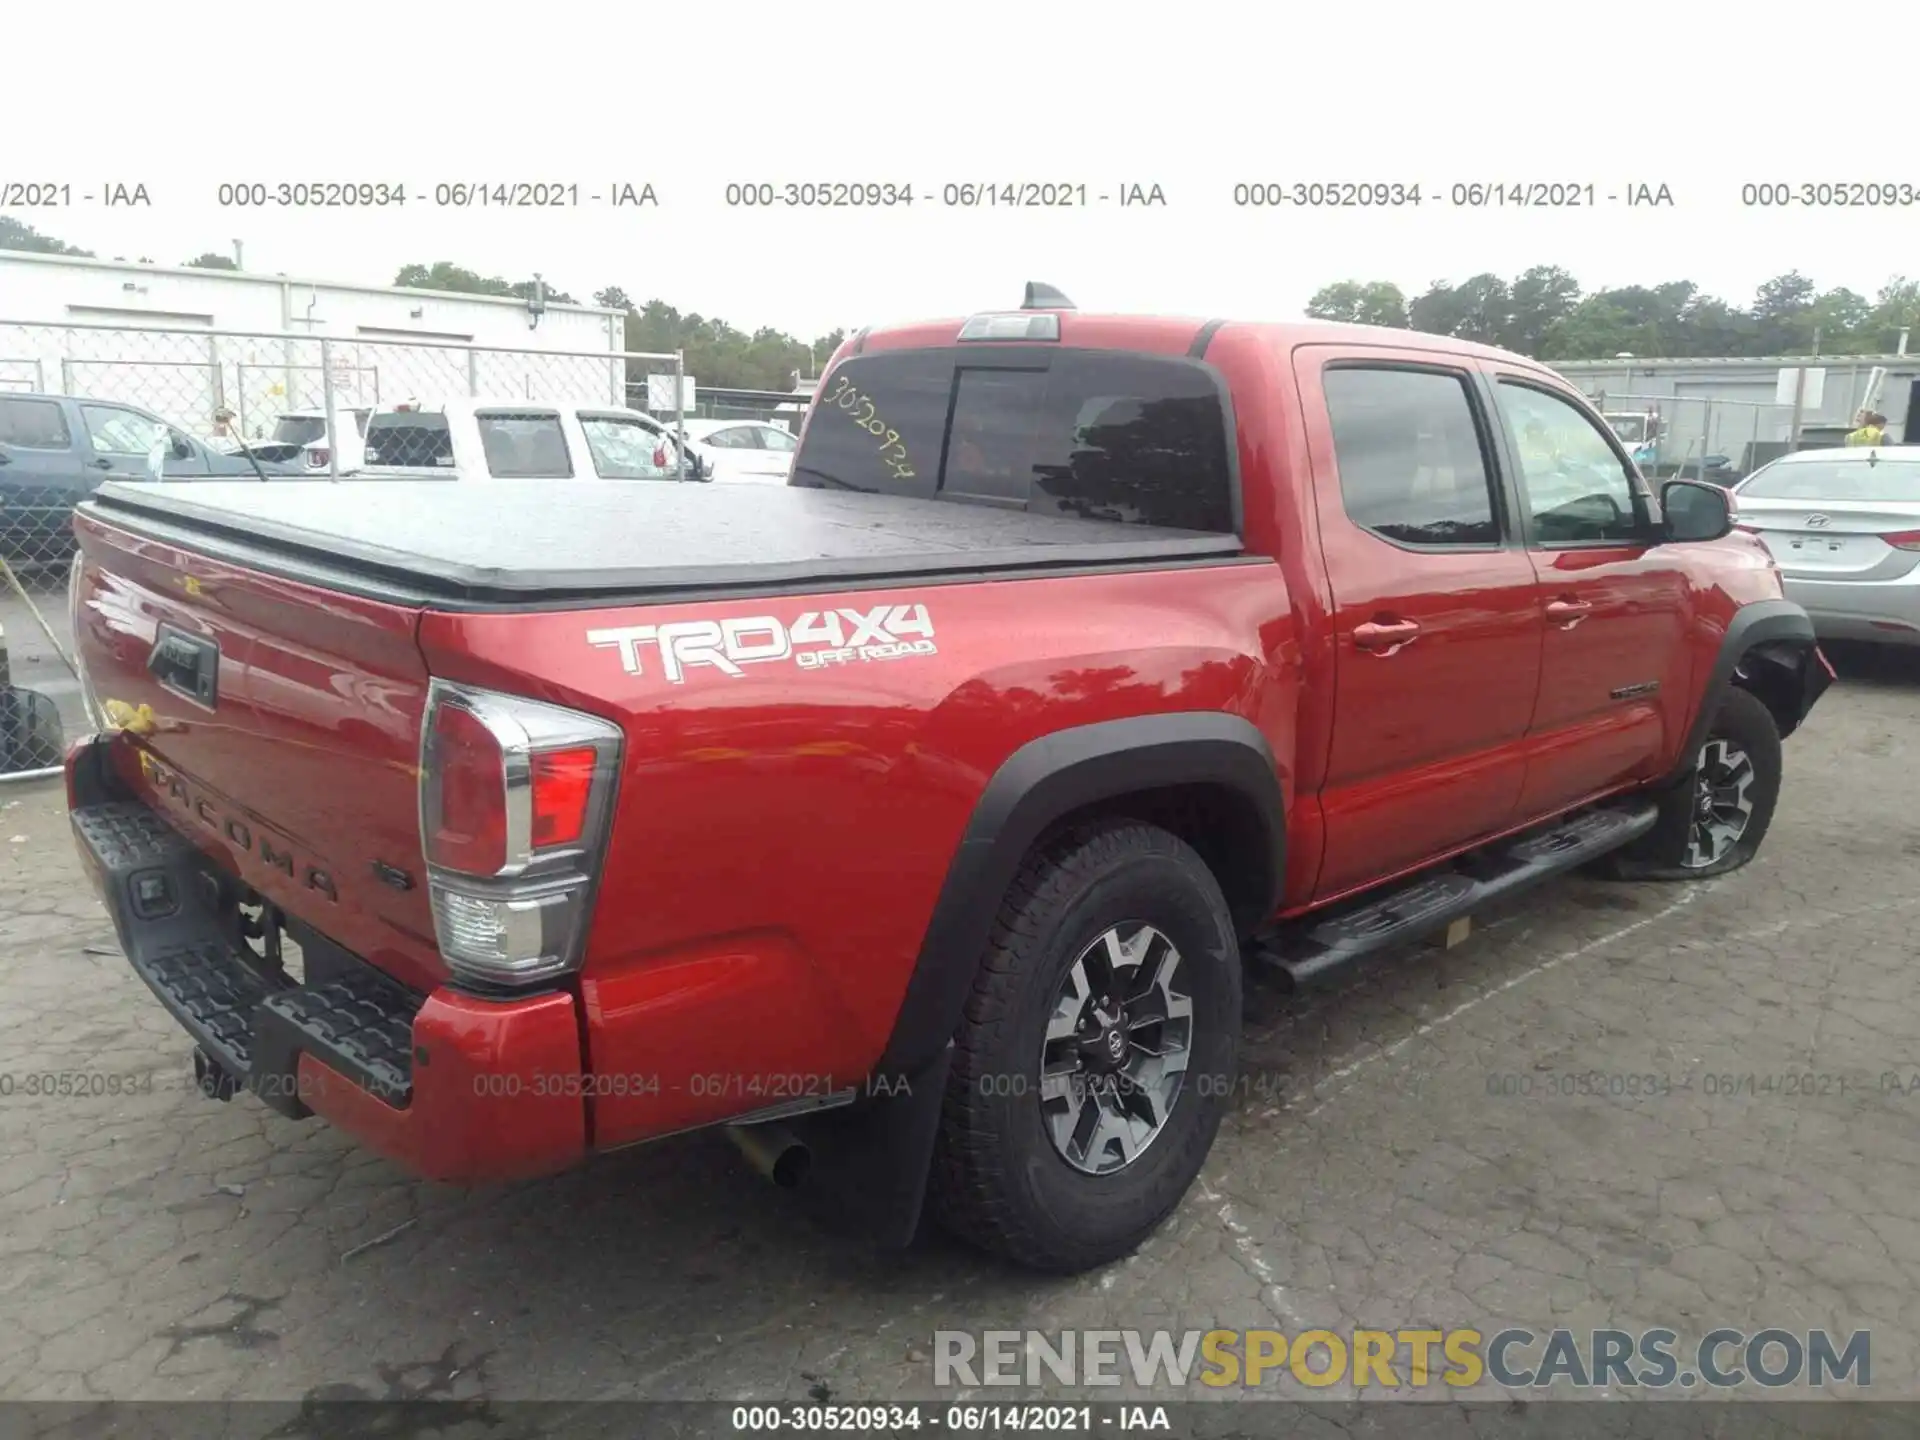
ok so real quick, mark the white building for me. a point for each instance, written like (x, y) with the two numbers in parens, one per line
(184, 342)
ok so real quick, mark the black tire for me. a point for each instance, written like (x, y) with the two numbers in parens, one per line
(1668, 852)
(1000, 1180)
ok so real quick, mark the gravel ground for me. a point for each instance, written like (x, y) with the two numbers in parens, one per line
(163, 1246)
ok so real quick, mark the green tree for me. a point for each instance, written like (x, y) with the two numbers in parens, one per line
(719, 356)
(613, 298)
(1784, 315)
(1361, 302)
(211, 260)
(16, 235)
(445, 275)
(1840, 318)
(1537, 301)
(1479, 308)
(1895, 308)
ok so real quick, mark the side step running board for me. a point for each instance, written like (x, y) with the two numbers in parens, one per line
(1428, 902)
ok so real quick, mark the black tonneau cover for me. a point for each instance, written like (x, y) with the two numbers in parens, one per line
(510, 542)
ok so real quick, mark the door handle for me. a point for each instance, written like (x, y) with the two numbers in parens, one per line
(1567, 613)
(103, 464)
(1383, 637)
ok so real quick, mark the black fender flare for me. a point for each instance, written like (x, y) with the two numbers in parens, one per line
(1761, 623)
(1038, 785)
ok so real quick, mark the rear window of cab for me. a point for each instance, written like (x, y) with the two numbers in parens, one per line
(1098, 434)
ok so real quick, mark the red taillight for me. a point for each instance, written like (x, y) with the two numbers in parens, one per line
(1903, 539)
(659, 457)
(515, 801)
(316, 458)
(562, 786)
(469, 831)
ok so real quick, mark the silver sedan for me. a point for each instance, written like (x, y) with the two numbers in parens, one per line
(1844, 527)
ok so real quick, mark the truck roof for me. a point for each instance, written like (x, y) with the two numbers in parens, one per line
(1177, 335)
(555, 542)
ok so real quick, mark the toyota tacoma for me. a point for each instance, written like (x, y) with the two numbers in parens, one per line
(920, 822)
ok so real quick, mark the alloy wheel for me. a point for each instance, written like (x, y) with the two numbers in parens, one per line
(1722, 807)
(1116, 1050)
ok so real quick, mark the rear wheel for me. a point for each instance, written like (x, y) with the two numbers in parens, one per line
(1714, 820)
(1096, 1055)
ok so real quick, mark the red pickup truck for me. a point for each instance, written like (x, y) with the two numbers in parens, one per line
(917, 822)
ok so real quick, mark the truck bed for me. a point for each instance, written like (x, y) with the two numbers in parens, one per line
(524, 542)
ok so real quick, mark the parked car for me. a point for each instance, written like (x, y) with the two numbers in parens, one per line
(1844, 526)
(302, 437)
(914, 823)
(57, 449)
(518, 439)
(743, 451)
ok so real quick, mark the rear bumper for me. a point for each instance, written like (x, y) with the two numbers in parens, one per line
(1884, 611)
(450, 1086)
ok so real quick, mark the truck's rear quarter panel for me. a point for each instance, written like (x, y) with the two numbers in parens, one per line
(782, 836)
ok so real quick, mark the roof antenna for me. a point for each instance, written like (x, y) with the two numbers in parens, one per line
(1042, 296)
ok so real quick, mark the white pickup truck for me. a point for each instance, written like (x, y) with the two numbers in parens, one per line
(522, 440)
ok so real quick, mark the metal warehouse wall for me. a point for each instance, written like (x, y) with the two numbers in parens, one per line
(59, 289)
(1734, 398)
(1752, 381)
(185, 341)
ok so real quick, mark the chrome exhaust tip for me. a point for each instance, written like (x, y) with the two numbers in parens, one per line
(774, 1151)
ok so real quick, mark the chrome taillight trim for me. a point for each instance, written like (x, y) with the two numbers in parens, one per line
(524, 728)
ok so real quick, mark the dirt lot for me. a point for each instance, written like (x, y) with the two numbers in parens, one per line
(161, 1245)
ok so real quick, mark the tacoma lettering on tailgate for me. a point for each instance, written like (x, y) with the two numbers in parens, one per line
(237, 831)
(814, 640)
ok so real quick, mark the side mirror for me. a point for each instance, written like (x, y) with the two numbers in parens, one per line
(182, 448)
(1696, 511)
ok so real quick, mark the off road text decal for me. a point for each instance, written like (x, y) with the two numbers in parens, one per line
(813, 641)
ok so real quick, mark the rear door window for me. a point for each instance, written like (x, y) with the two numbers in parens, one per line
(1827, 480)
(524, 445)
(409, 438)
(1102, 435)
(1411, 455)
(299, 429)
(33, 425)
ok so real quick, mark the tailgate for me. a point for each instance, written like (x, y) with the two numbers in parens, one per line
(276, 724)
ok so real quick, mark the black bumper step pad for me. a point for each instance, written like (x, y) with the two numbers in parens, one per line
(253, 1022)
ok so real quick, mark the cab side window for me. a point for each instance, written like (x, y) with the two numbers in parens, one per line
(626, 450)
(1412, 458)
(33, 425)
(120, 432)
(1577, 489)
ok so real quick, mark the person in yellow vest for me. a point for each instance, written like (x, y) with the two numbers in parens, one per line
(1870, 429)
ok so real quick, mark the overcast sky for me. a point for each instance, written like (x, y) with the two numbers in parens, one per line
(1192, 96)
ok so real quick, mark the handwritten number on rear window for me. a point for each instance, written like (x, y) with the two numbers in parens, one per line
(862, 410)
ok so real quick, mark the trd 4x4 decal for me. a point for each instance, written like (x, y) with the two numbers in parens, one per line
(813, 641)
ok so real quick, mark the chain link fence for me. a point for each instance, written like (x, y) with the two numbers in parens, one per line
(784, 408)
(1713, 436)
(83, 404)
